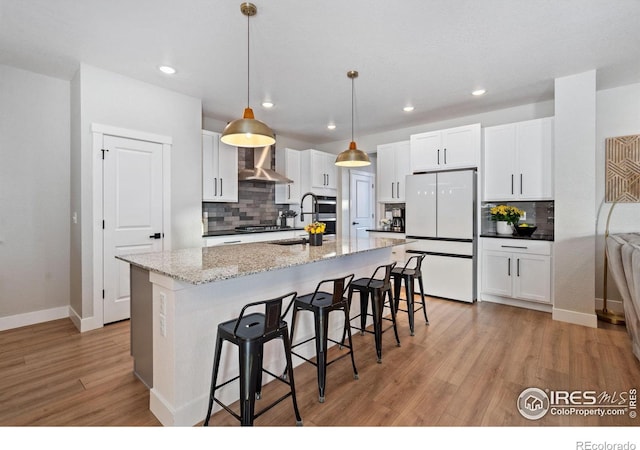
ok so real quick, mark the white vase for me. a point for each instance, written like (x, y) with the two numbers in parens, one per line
(503, 227)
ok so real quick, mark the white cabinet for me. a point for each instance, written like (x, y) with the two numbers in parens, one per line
(518, 161)
(318, 173)
(323, 170)
(288, 164)
(518, 269)
(392, 168)
(397, 251)
(219, 169)
(451, 148)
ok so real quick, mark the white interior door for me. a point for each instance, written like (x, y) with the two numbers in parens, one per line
(361, 201)
(132, 213)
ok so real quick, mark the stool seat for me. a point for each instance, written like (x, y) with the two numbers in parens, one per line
(321, 303)
(378, 289)
(409, 273)
(250, 331)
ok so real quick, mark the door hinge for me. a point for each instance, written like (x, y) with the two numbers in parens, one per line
(103, 151)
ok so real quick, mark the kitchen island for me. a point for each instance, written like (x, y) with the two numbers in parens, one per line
(179, 297)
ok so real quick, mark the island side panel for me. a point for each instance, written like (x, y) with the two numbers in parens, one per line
(141, 324)
(183, 352)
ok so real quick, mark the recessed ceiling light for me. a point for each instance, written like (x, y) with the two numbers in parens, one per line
(331, 126)
(408, 108)
(479, 92)
(167, 69)
(267, 104)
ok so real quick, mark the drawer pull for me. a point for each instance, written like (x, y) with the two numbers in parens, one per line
(513, 246)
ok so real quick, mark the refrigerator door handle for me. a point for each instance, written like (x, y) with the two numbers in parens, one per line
(509, 267)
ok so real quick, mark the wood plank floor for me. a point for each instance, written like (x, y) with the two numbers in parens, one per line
(465, 369)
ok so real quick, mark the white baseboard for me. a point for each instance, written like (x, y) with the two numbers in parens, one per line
(578, 318)
(31, 318)
(84, 324)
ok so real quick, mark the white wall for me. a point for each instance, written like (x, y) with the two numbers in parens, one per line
(34, 197)
(110, 99)
(618, 115)
(575, 188)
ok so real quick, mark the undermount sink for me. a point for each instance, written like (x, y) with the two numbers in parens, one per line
(291, 242)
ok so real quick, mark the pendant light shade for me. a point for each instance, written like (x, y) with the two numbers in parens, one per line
(352, 157)
(248, 132)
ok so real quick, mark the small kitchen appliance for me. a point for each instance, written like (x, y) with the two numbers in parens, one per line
(397, 221)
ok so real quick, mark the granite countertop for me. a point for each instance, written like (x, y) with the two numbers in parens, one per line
(207, 264)
(234, 231)
(533, 237)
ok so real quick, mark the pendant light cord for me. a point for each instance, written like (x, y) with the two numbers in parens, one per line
(352, 81)
(248, 60)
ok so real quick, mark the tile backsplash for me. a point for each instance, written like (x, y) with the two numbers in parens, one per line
(539, 213)
(256, 202)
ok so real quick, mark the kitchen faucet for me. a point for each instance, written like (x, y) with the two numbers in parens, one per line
(315, 207)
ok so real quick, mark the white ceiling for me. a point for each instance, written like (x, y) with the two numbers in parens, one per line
(428, 53)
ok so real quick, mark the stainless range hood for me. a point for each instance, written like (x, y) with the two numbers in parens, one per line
(261, 170)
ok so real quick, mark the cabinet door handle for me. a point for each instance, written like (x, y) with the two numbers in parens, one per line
(289, 191)
(221, 194)
(215, 184)
(438, 156)
(509, 267)
(520, 184)
(398, 189)
(518, 267)
(511, 184)
(232, 242)
(445, 155)
(327, 179)
(392, 195)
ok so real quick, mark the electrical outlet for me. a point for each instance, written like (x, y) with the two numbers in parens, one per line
(163, 303)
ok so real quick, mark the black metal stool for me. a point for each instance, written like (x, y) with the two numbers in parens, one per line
(411, 271)
(250, 332)
(321, 304)
(378, 288)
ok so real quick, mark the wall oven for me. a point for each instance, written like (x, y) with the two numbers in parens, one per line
(327, 213)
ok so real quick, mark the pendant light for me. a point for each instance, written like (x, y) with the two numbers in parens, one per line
(248, 132)
(352, 157)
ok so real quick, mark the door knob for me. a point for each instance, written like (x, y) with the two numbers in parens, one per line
(156, 236)
(355, 223)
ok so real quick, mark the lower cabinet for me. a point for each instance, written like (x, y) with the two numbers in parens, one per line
(516, 269)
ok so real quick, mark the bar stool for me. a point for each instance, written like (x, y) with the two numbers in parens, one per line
(321, 303)
(250, 332)
(411, 271)
(378, 289)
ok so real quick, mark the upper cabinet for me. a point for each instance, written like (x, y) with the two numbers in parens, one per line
(324, 173)
(518, 161)
(288, 164)
(318, 173)
(452, 148)
(219, 169)
(392, 167)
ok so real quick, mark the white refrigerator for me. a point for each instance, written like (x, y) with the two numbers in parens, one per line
(440, 215)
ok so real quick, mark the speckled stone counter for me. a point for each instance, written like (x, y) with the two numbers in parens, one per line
(189, 292)
(207, 264)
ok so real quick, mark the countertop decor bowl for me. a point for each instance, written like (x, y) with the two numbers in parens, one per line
(525, 231)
